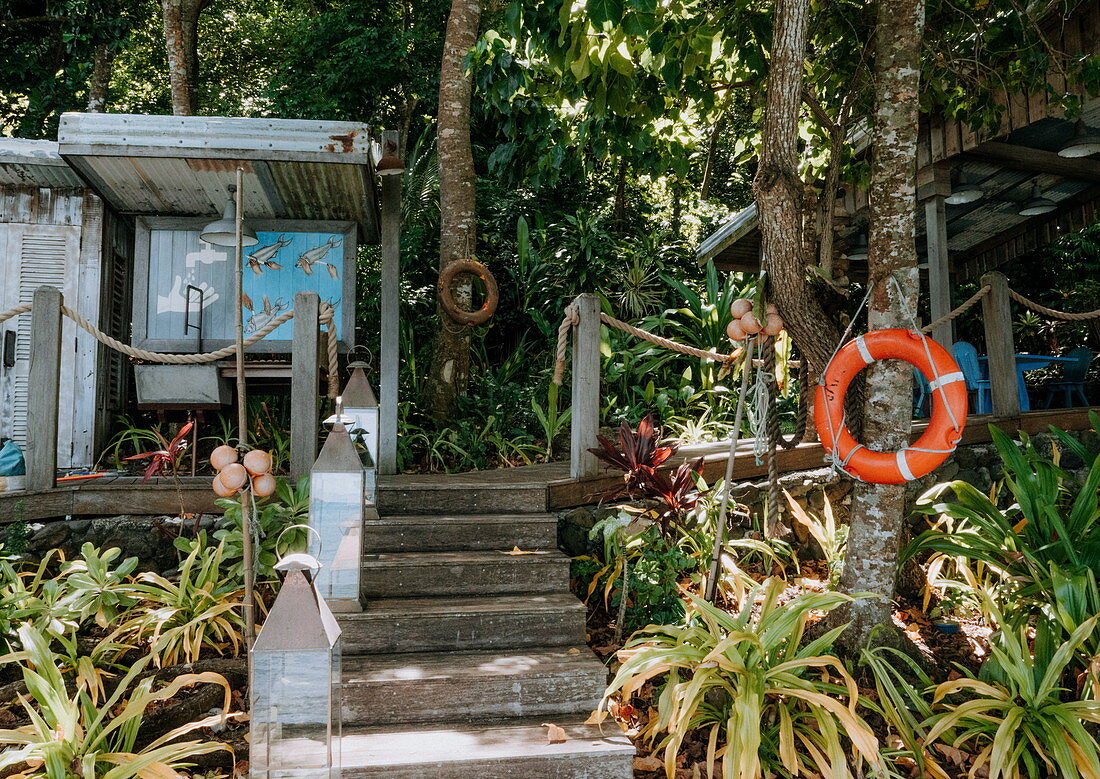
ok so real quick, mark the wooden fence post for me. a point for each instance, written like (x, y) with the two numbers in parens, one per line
(585, 420)
(389, 362)
(303, 383)
(44, 383)
(997, 316)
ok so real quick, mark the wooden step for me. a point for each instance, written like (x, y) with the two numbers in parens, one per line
(463, 751)
(461, 494)
(391, 625)
(460, 532)
(462, 686)
(420, 574)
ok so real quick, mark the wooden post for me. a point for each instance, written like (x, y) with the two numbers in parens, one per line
(44, 383)
(585, 420)
(939, 273)
(997, 313)
(389, 359)
(303, 383)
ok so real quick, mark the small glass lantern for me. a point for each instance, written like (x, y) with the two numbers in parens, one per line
(359, 410)
(337, 490)
(295, 688)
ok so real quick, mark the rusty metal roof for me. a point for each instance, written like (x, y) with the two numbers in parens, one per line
(28, 163)
(183, 165)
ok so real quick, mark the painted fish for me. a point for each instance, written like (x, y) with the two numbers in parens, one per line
(264, 256)
(307, 258)
(266, 314)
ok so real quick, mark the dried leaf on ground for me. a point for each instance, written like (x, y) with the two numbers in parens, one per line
(648, 763)
(555, 734)
(516, 552)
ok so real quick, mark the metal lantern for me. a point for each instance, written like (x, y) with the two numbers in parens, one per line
(295, 686)
(336, 493)
(359, 410)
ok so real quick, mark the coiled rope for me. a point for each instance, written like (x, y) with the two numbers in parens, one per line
(326, 318)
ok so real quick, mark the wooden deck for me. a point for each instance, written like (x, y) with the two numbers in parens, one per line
(129, 495)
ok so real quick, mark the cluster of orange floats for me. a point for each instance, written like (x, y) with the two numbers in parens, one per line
(946, 385)
(253, 471)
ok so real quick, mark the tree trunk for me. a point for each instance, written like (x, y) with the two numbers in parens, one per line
(450, 367)
(878, 517)
(181, 37)
(779, 195)
(100, 79)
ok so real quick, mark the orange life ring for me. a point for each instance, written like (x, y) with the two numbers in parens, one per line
(944, 429)
(447, 301)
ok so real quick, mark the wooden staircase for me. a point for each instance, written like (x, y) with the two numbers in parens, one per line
(462, 652)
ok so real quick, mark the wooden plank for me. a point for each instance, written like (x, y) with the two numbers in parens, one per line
(390, 359)
(936, 137)
(303, 384)
(86, 287)
(585, 378)
(45, 379)
(952, 138)
(1038, 161)
(997, 318)
(939, 267)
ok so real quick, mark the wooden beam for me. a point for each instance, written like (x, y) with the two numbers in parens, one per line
(997, 318)
(44, 383)
(389, 360)
(939, 267)
(1025, 158)
(585, 381)
(303, 384)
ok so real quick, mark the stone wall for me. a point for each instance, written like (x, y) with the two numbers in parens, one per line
(977, 464)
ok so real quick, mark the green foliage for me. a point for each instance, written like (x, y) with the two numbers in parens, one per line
(71, 737)
(769, 704)
(198, 610)
(98, 591)
(287, 507)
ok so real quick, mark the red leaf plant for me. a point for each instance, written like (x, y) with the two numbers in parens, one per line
(638, 454)
(163, 460)
(677, 491)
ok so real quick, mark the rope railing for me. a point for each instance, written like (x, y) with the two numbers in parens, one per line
(956, 312)
(1065, 316)
(326, 318)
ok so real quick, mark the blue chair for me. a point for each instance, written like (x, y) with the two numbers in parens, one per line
(920, 394)
(1072, 385)
(977, 384)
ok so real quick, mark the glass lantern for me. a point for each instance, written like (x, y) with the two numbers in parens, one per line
(336, 494)
(295, 687)
(359, 411)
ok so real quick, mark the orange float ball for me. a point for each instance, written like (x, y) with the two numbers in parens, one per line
(740, 307)
(774, 325)
(223, 456)
(750, 324)
(263, 485)
(221, 490)
(257, 462)
(234, 476)
(734, 331)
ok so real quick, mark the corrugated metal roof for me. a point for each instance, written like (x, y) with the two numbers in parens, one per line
(183, 166)
(33, 163)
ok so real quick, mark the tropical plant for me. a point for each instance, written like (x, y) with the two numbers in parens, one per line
(165, 460)
(71, 737)
(638, 454)
(180, 619)
(824, 529)
(768, 704)
(96, 590)
(678, 493)
(289, 506)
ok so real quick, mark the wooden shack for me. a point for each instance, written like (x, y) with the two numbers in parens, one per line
(55, 230)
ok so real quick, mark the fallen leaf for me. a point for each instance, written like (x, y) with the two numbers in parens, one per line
(596, 717)
(573, 651)
(554, 733)
(516, 552)
(648, 763)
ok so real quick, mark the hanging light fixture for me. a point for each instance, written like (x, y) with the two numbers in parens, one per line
(1084, 143)
(966, 190)
(1036, 203)
(857, 250)
(223, 232)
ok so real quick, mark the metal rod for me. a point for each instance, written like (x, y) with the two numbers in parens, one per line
(249, 605)
(720, 526)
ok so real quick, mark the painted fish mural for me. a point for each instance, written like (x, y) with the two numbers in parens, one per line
(265, 315)
(316, 256)
(265, 256)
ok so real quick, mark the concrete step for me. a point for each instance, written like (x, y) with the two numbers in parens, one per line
(391, 625)
(463, 751)
(460, 532)
(406, 574)
(461, 494)
(463, 686)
